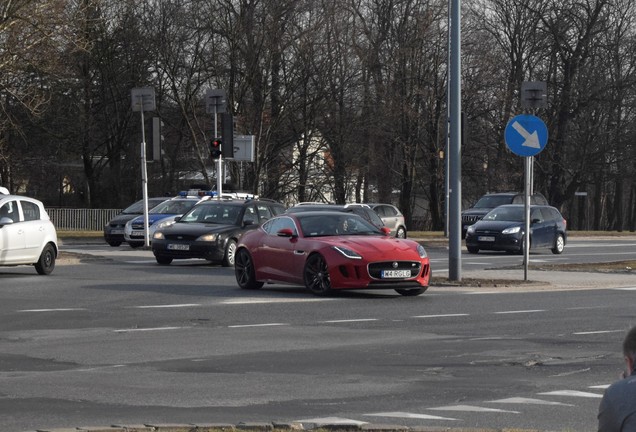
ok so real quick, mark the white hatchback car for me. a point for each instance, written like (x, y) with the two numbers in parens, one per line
(27, 235)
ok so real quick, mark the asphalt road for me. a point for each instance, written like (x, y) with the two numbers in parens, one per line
(113, 338)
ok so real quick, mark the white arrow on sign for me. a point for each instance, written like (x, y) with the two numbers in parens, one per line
(531, 139)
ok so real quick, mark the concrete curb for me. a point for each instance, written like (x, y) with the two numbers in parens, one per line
(272, 427)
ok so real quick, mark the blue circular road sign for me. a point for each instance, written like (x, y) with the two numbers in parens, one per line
(526, 135)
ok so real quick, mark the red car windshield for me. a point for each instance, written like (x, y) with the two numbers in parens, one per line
(335, 225)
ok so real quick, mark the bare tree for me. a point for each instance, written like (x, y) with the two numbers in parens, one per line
(32, 35)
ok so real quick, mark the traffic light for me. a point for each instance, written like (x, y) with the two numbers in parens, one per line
(215, 148)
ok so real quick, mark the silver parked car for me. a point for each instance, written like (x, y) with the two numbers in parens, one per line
(392, 218)
(27, 235)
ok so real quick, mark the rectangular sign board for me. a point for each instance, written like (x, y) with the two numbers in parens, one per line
(244, 148)
(143, 98)
(215, 101)
(534, 94)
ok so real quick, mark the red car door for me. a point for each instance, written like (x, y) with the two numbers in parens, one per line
(279, 256)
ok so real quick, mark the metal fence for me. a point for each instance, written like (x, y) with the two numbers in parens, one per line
(81, 219)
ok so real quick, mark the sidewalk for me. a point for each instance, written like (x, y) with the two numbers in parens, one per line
(538, 280)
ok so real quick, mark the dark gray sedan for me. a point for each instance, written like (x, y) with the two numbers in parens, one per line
(211, 230)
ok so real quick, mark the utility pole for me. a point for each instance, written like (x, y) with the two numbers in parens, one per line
(454, 153)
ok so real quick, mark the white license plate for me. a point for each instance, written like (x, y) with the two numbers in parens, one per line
(138, 233)
(181, 247)
(486, 238)
(396, 273)
(117, 231)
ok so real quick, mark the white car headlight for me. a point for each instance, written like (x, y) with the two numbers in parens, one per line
(421, 251)
(347, 252)
(163, 224)
(158, 235)
(513, 230)
(208, 237)
(470, 229)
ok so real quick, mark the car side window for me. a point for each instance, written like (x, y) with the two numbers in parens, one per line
(10, 210)
(274, 226)
(389, 211)
(30, 211)
(374, 218)
(250, 214)
(536, 215)
(548, 214)
(278, 209)
(263, 212)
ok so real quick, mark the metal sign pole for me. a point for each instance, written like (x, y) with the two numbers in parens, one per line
(143, 99)
(526, 242)
(144, 180)
(219, 162)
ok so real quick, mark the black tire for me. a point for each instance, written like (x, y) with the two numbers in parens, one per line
(114, 243)
(135, 245)
(163, 260)
(410, 292)
(559, 245)
(401, 232)
(46, 262)
(230, 254)
(316, 275)
(244, 270)
(472, 249)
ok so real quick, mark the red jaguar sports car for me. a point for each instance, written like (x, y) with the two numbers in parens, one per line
(327, 251)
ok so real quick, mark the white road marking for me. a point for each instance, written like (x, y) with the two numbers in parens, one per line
(472, 408)
(520, 311)
(597, 244)
(441, 315)
(148, 329)
(141, 262)
(331, 420)
(626, 289)
(410, 415)
(601, 387)
(165, 306)
(571, 372)
(597, 332)
(349, 320)
(256, 300)
(258, 325)
(99, 368)
(528, 401)
(573, 393)
(53, 310)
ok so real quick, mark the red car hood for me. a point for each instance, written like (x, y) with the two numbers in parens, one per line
(376, 246)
